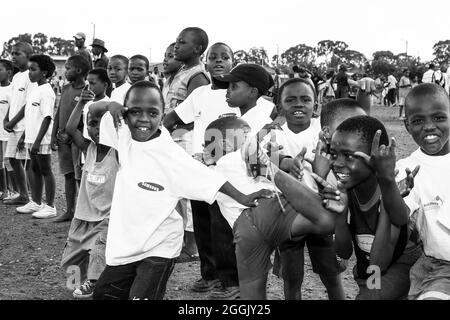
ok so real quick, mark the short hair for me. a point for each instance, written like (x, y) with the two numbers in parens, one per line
(102, 74)
(201, 38)
(422, 90)
(221, 44)
(7, 64)
(331, 110)
(81, 63)
(144, 84)
(143, 58)
(25, 47)
(45, 63)
(296, 80)
(366, 127)
(121, 58)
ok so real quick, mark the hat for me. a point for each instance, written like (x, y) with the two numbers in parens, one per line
(100, 43)
(80, 35)
(254, 74)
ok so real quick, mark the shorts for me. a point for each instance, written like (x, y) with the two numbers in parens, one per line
(2, 154)
(430, 278)
(44, 149)
(85, 248)
(253, 247)
(69, 159)
(321, 252)
(11, 147)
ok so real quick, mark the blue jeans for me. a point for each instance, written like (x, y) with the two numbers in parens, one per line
(144, 279)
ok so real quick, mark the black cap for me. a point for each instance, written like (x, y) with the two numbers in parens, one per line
(254, 74)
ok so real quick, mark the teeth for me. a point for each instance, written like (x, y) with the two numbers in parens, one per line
(342, 175)
(430, 137)
(298, 113)
(143, 129)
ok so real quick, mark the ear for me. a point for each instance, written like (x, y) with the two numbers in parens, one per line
(406, 123)
(326, 133)
(253, 92)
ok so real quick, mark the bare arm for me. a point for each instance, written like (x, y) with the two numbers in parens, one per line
(343, 238)
(197, 81)
(19, 116)
(172, 120)
(72, 127)
(250, 200)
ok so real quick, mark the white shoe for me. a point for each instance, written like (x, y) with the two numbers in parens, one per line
(12, 195)
(30, 207)
(45, 212)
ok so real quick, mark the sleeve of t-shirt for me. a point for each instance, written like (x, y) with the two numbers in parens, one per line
(193, 180)
(108, 133)
(187, 110)
(47, 104)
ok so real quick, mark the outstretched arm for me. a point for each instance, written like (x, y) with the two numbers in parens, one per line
(172, 120)
(250, 200)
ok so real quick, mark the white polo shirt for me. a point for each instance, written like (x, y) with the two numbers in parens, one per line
(152, 178)
(429, 201)
(5, 100)
(20, 85)
(40, 104)
(118, 94)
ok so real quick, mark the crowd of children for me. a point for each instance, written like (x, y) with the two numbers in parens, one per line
(209, 167)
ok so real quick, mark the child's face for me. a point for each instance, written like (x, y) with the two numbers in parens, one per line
(185, 47)
(170, 65)
(219, 60)
(137, 70)
(96, 85)
(35, 74)
(144, 113)
(93, 127)
(349, 169)
(297, 103)
(343, 115)
(239, 94)
(427, 120)
(117, 70)
(4, 73)
(72, 72)
(19, 58)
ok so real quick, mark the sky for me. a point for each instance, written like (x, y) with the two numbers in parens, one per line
(147, 27)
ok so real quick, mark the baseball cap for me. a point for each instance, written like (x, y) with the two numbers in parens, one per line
(80, 35)
(253, 74)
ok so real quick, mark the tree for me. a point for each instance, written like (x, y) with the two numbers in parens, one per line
(441, 51)
(61, 47)
(331, 52)
(353, 58)
(39, 42)
(240, 56)
(300, 54)
(258, 56)
(7, 46)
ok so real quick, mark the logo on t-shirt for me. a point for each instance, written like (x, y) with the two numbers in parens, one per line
(36, 104)
(3, 101)
(436, 203)
(21, 89)
(150, 186)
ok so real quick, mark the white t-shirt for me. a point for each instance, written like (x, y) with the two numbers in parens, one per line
(40, 104)
(152, 178)
(204, 105)
(21, 86)
(118, 94)
(5, 100)
(429, 201)
(392, 82)
(428, 76)
(85, 112)
(258, 116)
(233, 168)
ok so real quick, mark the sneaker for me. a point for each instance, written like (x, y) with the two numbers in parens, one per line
(202, 285)
(85, 291)
(4, 195)
(45, 212)
(16, 199)
(30, 207)
(228, 293)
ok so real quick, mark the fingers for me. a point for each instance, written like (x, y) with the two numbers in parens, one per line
(362, 155)
(416, 170)
(321, 181)
(376, 142)
(392, 145)
(302, 153)
(396, 172)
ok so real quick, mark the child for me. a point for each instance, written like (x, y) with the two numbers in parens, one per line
(85, 246)
(297, 99)
(117, 73)
(374, 200)
(68, 153)
(145, 233)
(138, 68)
(404, 86)
(6, 69)
(14, 123)
(427, 121)
(170, 68)
(258, 232)
(37, 137)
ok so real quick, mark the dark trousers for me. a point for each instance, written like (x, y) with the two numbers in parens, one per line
(214, 238)
(144, 279)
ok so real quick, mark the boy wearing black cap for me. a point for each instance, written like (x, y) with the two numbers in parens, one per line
(80, 38)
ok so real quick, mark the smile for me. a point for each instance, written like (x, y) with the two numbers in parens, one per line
(143, 129)
(342, 176)
(298, 113)
(431, 138)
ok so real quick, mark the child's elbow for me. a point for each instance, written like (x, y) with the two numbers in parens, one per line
(326, 224)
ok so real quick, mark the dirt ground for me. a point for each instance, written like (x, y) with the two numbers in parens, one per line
(31, 249)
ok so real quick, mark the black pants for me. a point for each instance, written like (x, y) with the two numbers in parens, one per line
(214, 238)
(144, 279)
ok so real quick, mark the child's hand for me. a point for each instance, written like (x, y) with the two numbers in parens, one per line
(297, 167)
(117, 110)
(8, 126)
(321, 164)
(251, 200)
(35, 148)
(334, 198)
(86, 95)
(62, 137)
(21, 142)
(405, 186)
(54, 143)
(381, 159)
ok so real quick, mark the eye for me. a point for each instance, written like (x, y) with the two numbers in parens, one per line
(349, 156)
(440, 118)
(417, 121)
